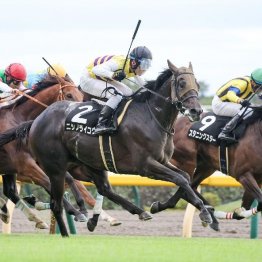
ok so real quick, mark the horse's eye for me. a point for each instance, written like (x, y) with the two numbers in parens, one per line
(182, 83)
(69, 96)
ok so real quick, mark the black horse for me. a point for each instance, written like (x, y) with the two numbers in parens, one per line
(142, 145)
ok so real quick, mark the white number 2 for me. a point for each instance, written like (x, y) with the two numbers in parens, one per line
(207, 121)
(78, 119)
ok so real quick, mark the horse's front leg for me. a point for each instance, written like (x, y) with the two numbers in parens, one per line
(172, 174)
(10, 191)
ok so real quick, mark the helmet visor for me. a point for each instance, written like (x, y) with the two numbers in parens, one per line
(145, 63)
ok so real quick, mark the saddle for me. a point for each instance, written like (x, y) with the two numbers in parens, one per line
(12, 100)
(84, 117)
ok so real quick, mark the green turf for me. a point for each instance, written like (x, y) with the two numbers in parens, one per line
(38, 248)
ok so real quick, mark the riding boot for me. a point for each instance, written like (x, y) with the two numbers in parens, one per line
(104, 124)
(226, 133)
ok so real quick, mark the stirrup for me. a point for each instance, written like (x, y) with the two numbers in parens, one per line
(227, 138)
(103, 130)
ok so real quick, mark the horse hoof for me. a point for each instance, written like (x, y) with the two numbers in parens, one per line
(154, 208)
(145, 216)
(115, 223)
(204, 224)
(5, 217)
(215, 226)
(205, 216)
(80, 218)
(41, 225)
(91, 227)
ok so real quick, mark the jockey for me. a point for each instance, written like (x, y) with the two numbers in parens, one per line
(55, 69)
(112, 70)
(12, 79)
(230, 100)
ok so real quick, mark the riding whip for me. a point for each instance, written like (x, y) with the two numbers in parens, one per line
(50, 65)
(134, 35)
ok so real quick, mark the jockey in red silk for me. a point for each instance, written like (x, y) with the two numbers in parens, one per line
(12, 79)
(231, 100)
(109, 71)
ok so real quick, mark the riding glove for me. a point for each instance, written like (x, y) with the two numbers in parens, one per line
(119, 76)
(245, 103)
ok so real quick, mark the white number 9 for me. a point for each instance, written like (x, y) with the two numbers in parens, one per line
(207, 121)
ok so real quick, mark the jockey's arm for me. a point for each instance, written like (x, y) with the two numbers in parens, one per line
(5, 90)
(232, 95)
(106, 69)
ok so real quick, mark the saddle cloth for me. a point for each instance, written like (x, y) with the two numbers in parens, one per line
(210, 126)
(84, 117)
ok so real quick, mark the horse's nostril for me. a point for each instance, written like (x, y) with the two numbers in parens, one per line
(193, 111)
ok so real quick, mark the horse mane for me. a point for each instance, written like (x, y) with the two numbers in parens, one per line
(153, 85)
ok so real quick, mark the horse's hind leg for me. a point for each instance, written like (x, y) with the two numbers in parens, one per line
(10, 191)
(104, 188)
(252, 189)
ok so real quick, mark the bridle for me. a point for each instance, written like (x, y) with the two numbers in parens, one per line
(176, 81)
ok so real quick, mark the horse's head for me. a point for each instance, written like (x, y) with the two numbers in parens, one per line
(185, 91)
(68, 91)
(65, 88)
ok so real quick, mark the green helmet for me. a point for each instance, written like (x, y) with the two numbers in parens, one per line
(256, 76)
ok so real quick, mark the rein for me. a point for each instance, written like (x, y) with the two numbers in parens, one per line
(60, 95)
(156, 120)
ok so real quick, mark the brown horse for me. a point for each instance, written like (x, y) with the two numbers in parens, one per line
(30, 105)
(201, 159)
(143, 144)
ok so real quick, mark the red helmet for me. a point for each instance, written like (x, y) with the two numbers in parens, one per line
(16, 71)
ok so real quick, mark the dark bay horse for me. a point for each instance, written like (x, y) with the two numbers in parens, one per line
(200, 160)
(48, 91)
(142, 145)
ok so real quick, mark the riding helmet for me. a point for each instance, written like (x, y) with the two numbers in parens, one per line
(140, 56)
(16, 71)
(256, 76)
(57, 69)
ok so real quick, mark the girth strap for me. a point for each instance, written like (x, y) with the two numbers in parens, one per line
(107, 154)
(223, 158)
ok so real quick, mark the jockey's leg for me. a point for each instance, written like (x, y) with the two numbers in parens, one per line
(226, 133)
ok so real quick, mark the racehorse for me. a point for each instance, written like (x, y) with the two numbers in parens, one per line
(201, 159)
(142, 145)
(30, 105)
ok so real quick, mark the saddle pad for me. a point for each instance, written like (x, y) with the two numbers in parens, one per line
(208, 128)
(83, 118)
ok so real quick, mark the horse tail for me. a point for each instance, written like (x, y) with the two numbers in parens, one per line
(18, 132)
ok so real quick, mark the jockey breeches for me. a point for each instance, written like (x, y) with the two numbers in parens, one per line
(96, 87)
(229, 108)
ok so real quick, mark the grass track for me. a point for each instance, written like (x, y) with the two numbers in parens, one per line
(38, 248)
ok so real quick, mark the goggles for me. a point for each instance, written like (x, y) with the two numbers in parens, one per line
(15, 82)
(145, 63)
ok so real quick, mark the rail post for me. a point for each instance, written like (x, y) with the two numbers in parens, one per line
(254, 223)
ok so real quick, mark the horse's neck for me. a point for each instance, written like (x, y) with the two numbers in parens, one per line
(164, 112)
(31, 109)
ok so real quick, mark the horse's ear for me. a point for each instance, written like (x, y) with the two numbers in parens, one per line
(190, 66)
(171, 66)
